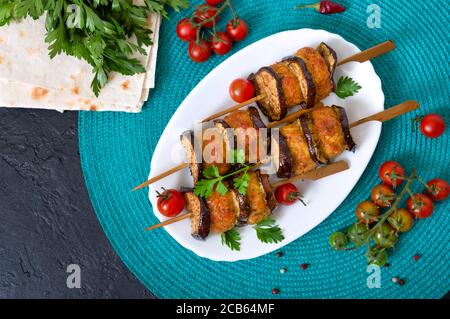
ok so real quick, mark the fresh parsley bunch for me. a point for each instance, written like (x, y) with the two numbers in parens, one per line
(97, 31)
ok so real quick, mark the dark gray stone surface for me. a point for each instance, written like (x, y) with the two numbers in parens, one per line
(46, 219)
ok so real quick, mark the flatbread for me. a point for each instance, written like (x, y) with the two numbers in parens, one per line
(32, 79)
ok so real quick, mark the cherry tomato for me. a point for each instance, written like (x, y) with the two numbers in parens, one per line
(401, 220)
(213, 2)
(385, 236)
(199, 52)
(420, 205)
(356, 233)
(382, 195)
(205, 12)
(237, 29)
(241, 90)
(432, 125)
(221, 44)
(392, 173)
(439, 189)
(287, 194)
(170, 202)
(186, 31)
(338, 240)
(367, 212)
(377, 256)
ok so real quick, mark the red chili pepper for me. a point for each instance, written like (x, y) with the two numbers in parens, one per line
(324, 7)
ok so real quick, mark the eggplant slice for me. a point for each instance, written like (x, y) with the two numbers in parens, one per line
(244, 208)
(188, 141)
(298, 148)
(270, 197)
(305, 80)
(313, 140)
(200, 215)
(266, 82)
(330, 57)
(350, 143)
(283, 159)
(289, 83)
(257, 198)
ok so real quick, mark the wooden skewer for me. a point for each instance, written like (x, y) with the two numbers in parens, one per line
(161, 176)
(293, 116)
(363, 56)
(234, 108)
(370, 53)
(313, 175)
(382, 116)
(390, 113)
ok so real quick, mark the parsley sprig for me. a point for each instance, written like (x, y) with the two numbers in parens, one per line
(268, 232)
(97, 31)
(232, 239)
(346, 87)
(205, 187)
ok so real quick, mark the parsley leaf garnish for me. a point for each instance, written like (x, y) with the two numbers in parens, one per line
(214, 181)
(268, 232)
(346, 87)
(232, 239)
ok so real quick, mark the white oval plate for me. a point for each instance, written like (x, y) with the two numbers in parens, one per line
(323, 196)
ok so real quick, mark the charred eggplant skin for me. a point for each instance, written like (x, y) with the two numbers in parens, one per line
(255, 117)
(305, 80)
(284, 158)
(244, 208)
(266, 105)
(351, 146)
(330, 57)
(313, 146)
(200, 218)
(270, 197)
(187, 139)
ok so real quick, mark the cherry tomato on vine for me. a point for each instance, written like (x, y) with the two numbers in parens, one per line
(420, 205)
(186, 31)
(237, 29)
(170, 202)
(382, 195)
(385, 236)
(367, 212)
(221, 43)
(338, 240)
(439, 189)
(241, 90)
(392, 173)
(213, 2)
(199, 52)
(432, 125)
(205, 12)
(356, 233)
(401, 220)
(287, 194)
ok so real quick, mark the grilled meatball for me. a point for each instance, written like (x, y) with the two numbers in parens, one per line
(224, 211)
(319, 71)
(329, 131)
(289, 84)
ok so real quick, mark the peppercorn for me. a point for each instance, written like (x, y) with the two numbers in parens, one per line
(279, 254)
(401, 282)
(275, 291)
(283, 270)
(416, 257)
(394, 280)
(304, 266)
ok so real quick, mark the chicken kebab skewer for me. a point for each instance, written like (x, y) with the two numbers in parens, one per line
(224, 211)
(301, 80)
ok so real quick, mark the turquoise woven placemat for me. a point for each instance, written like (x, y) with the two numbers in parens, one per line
(116, 150)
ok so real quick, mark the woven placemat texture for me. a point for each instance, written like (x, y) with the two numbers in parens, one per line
(116, 150)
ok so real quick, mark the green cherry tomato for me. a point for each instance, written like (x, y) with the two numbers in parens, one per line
(338, 240)
(385, 236)
(377, 257)
(356, 233)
